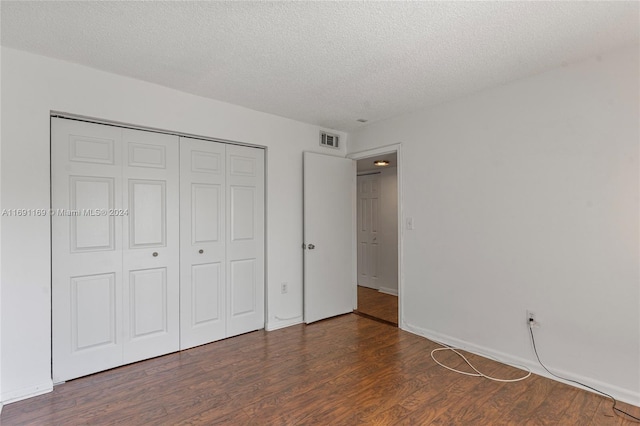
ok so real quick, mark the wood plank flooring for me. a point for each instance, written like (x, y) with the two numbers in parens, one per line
(378, 305)
(347, 370)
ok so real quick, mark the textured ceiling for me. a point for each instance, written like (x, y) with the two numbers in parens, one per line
(326, 63)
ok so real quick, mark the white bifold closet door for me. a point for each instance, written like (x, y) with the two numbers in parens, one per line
(115, 246)
(222, 241)
(245, 239)
(202, 255)
(157, 244)
(151, 249)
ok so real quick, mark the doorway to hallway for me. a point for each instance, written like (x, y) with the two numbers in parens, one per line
(377, 305)
(377, 237)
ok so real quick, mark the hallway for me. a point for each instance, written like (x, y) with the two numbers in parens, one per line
(378, 305)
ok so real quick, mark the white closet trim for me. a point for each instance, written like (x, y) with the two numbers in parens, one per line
(69, 116)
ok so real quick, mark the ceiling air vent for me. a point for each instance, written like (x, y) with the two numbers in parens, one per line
(330, 140)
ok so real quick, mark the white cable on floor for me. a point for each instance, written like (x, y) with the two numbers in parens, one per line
(477, 373)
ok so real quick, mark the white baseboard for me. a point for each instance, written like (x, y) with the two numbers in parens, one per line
(368, 286)
(621, 394)
(20, 394)
(277, 323)
(387, 290)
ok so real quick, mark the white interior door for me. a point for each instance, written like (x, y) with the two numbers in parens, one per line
(151, 247)
(86, 180)
(368, 229)
(329, 201)
(202, 235)
(245, 239)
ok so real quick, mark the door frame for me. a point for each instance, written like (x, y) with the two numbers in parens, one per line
(359, 155)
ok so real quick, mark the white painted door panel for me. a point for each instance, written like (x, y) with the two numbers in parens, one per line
(151, 283)
(328, 223)
(368, 227)
(86, 248)
(245, 239)
(202, 236)
(115, 258)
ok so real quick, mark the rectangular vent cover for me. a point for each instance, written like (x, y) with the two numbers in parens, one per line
(330, 140)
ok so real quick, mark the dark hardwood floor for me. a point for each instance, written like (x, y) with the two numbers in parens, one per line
(343, 371)
(378, 305)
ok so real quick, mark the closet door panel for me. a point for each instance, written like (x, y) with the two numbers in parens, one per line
(86, 169)
(93, 311)
(92, 231)
(243, 213)
(151, 254)
(147, 213)
(202, 235)
(206, 287)
(245, 239)
(244, 286)
(205, 213)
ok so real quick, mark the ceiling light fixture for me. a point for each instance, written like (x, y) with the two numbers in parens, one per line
(381, 163)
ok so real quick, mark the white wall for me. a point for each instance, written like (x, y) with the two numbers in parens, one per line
(32, 87)
(526, 197)
(1, 403)
(388, 261)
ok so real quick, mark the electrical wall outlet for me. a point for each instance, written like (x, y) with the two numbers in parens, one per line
(531, 319)
(284, 288)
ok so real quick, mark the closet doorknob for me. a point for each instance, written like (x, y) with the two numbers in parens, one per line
(200, 251)
(155, 254)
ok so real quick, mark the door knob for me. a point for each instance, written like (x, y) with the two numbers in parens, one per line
(200, 251)
(311, 246)
(155, 254)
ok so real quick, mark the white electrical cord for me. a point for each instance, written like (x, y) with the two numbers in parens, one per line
(477, 373)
